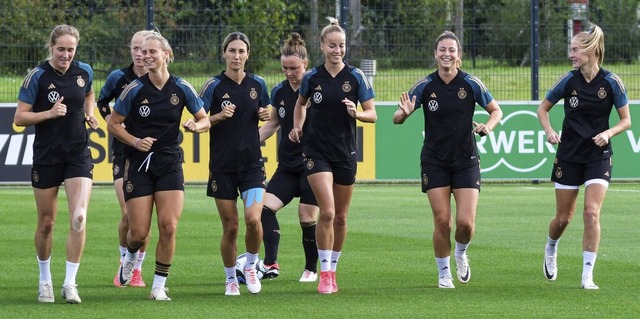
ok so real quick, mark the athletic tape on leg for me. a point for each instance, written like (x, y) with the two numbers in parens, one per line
(252, 195)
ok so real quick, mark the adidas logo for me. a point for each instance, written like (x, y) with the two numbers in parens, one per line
(334, 261)
(282, 103)
(574, 92)
(444, 268)
(324, 261)
(51, 86)
(318, 88)
(145, 101)
(433, 95)
(226, 96)
(606, 173)
(588, 263)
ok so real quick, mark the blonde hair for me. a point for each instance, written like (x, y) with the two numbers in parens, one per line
(333, 26)
(59, 31)
(294, 46)
(450, 35)
(592, 41)
(143, 34)
(164, 44)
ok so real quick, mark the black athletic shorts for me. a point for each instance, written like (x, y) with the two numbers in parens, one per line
(286, 184)
(228, 185)
(344, 172)
(575, 174)
(147, 173)
(47, 176)
(460, 173)
(117, 160)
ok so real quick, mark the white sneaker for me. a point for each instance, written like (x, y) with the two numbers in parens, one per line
(445, 282)
(45, 292)
(70, 294)
(587, 283)
(462, 269)
(159, 294)
(125, 273)
(549, 266)
(308, 276)
(253, 283)
(232, 289)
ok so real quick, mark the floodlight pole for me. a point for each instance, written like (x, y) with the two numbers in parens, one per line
(150, 15)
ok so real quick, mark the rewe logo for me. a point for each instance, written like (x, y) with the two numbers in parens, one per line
(518, 143)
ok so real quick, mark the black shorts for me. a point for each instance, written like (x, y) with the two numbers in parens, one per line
(286, 184)
(344, 172)
(460, 173)
(145, 174)
(118, 165)
(575, 174)
(228, 185)
(47, 176)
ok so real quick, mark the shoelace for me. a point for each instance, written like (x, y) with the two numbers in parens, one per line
(147, 161)
(253, 278)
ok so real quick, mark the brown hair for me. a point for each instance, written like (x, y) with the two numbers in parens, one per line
(452, 36)
(235, 36)
(333, 26)
(294, 46)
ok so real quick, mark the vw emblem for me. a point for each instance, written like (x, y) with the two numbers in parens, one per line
(433, 105)
(317, 97)
(573, 102)
(281, 112)
(144, 111)
(225, 103)
(53, 96)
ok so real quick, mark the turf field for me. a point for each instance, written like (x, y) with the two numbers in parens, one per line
(387, 269)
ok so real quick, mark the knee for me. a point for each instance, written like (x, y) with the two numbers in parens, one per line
(442, 225)
(340, 220)
(465, 227)
(326, 217)
(45, 225)
(230, 230)
(591, 216)
(167, 230)
(563, 221)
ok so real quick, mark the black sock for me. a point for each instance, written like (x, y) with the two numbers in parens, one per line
(270, 235)
(309, 245)
(162, 269)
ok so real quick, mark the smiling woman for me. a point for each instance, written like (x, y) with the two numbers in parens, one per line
(449, 97)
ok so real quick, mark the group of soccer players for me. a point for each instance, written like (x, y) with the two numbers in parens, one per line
(316, 111)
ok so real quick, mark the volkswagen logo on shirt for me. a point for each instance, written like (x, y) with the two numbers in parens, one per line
(53, 96)
(573, 102)
(317, 97)
(225, 103)
(281, 112)
(433, 105)
(144, 111)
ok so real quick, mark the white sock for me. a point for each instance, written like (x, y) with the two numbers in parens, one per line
(588, 262)
(335, 256)
(552, 246)
(138, 264)
(158, 282)
(443, 266)
(45, 269)
(129, 256)
(230, 274)
(72, 270)
(324, 255)
(252, 259)
(461, 249)
(123, 251)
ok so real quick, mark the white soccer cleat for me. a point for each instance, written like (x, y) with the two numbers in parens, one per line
(253, 283)
(462, 269)
(159, 294)
(232, 289)
(587, 283)
(445, 282)
(70, 294)
(45, 292)
(125, 273)
(308, 276)
(550, 266)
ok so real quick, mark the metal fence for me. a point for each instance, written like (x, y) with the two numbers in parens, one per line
(391, 40)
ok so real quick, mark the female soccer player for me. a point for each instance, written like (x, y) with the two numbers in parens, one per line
(57, 97)
(236, 101)
(152, 108)
(449, 159)
(289, 180)
(333, 90)
(584, 153)
(116, 81)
